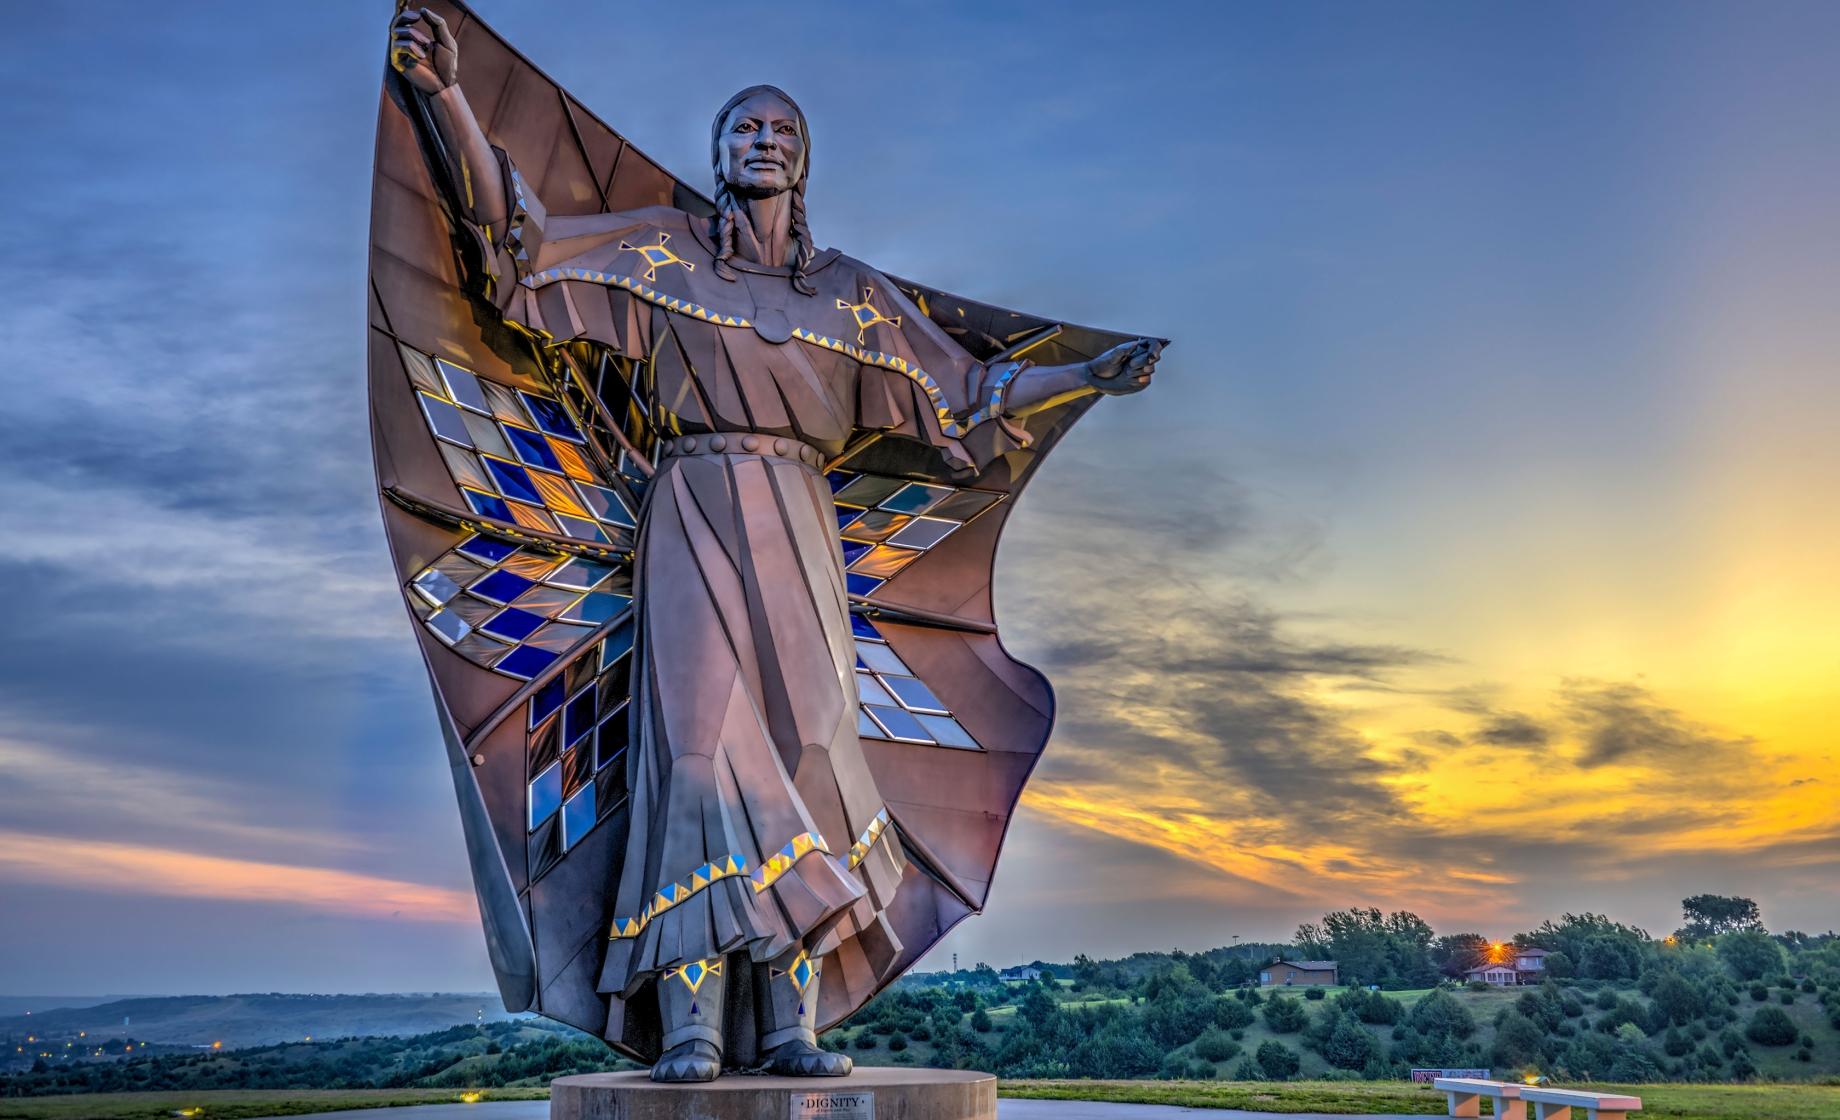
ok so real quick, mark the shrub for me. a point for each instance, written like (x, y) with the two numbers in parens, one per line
(1350, 1046)
(1760, 992)
(1517, 1041)
(1284, 1016)
(897, 1042)
(834, 1040)
(1477, 986)
(1314, 993)
(1606, 999)
(1276, 1060)
(1770, 1027)
(1804, 1055)
(1742, 1067)
(865, 1041)
(1788, 998)
(1439, 1015)
(1213, 1045)
(1232, 1014)
(980, 1021)
(1808, 985)
(1246, 1071)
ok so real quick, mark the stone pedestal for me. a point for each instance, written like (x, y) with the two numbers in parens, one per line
(897, 1093)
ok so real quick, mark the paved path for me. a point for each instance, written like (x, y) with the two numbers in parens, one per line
(1006, 1110)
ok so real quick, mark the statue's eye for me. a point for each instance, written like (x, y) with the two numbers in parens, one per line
(745, 126)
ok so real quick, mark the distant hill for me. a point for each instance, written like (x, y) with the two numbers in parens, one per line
(258, 1019)
(19, 1005)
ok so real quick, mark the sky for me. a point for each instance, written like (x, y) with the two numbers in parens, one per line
(1473, 553)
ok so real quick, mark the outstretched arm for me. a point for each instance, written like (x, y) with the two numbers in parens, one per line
(1125, 368)
(423, 50)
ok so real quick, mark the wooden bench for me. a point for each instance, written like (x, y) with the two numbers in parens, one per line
(1465, 1094)
(1557, 1104)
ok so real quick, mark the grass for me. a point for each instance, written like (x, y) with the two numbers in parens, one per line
(1660, 1102)
(235, 1104)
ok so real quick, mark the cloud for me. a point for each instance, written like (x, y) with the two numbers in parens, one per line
(132, 869)
(1623, 722)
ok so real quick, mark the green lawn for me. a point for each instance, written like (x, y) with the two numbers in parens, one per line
(234, 1104)
(1660, 1102)
(1663, 1102)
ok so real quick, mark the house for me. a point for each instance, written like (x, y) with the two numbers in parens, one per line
(1283, 973)
(1527, 966)
(1501, 975)
(1025, 972)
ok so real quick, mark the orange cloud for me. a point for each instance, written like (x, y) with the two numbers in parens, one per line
(168, 873)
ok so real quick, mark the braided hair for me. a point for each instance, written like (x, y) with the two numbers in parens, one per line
(730, 211)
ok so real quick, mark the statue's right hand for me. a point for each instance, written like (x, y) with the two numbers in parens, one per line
(423, 50)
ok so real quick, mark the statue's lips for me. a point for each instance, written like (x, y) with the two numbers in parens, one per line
(765, 163)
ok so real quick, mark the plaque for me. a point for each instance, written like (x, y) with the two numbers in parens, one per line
(833, 1106)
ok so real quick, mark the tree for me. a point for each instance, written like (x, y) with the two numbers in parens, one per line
(1559, 966)
(1277, 1061)
(1439, 1016)
(1771, 1027)
(1457, 953)
(1232, 1014)
(1517, 1041)
(1709, 915)
(1284, 1015)
(1676, 1000)
(1610, 957)
(1371, 948)
(1751, 954)
(1349, 1046)
(1213, 1045)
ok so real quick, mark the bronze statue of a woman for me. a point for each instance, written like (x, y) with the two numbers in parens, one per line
(637, 444)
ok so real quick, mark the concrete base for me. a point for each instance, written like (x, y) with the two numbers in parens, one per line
(896, 1093)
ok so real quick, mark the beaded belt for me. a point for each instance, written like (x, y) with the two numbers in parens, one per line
(742, 443)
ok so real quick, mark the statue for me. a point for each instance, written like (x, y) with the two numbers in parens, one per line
(697, 521)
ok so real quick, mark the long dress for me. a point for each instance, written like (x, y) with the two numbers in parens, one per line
(756, 825)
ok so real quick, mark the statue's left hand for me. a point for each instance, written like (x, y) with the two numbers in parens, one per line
(1125, 368)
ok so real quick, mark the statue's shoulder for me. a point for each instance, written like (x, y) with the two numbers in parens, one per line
(665, 219)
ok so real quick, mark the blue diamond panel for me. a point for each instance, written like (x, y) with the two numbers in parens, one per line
(517, 456)
(517, 610)
(577, 739)
(896, 704)
(888, 523)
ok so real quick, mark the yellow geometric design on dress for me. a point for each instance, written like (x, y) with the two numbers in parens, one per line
(657, 256)
(695, 972)
(950, 424)
(859, 851)
(781, 861)
(671, 894)
(865, 314)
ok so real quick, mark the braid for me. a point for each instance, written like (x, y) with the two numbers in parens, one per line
(726, 209)
(801, 236)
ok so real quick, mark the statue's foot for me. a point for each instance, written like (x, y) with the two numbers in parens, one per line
(799, 1058)
(695, 1060)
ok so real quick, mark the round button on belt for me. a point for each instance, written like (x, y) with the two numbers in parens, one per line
(750, 444)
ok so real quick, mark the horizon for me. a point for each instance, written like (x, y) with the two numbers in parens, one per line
(1472, 554)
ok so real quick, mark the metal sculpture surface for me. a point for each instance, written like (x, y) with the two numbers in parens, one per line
(697, 521)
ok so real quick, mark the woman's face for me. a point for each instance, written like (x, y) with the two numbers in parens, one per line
(762, 151)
